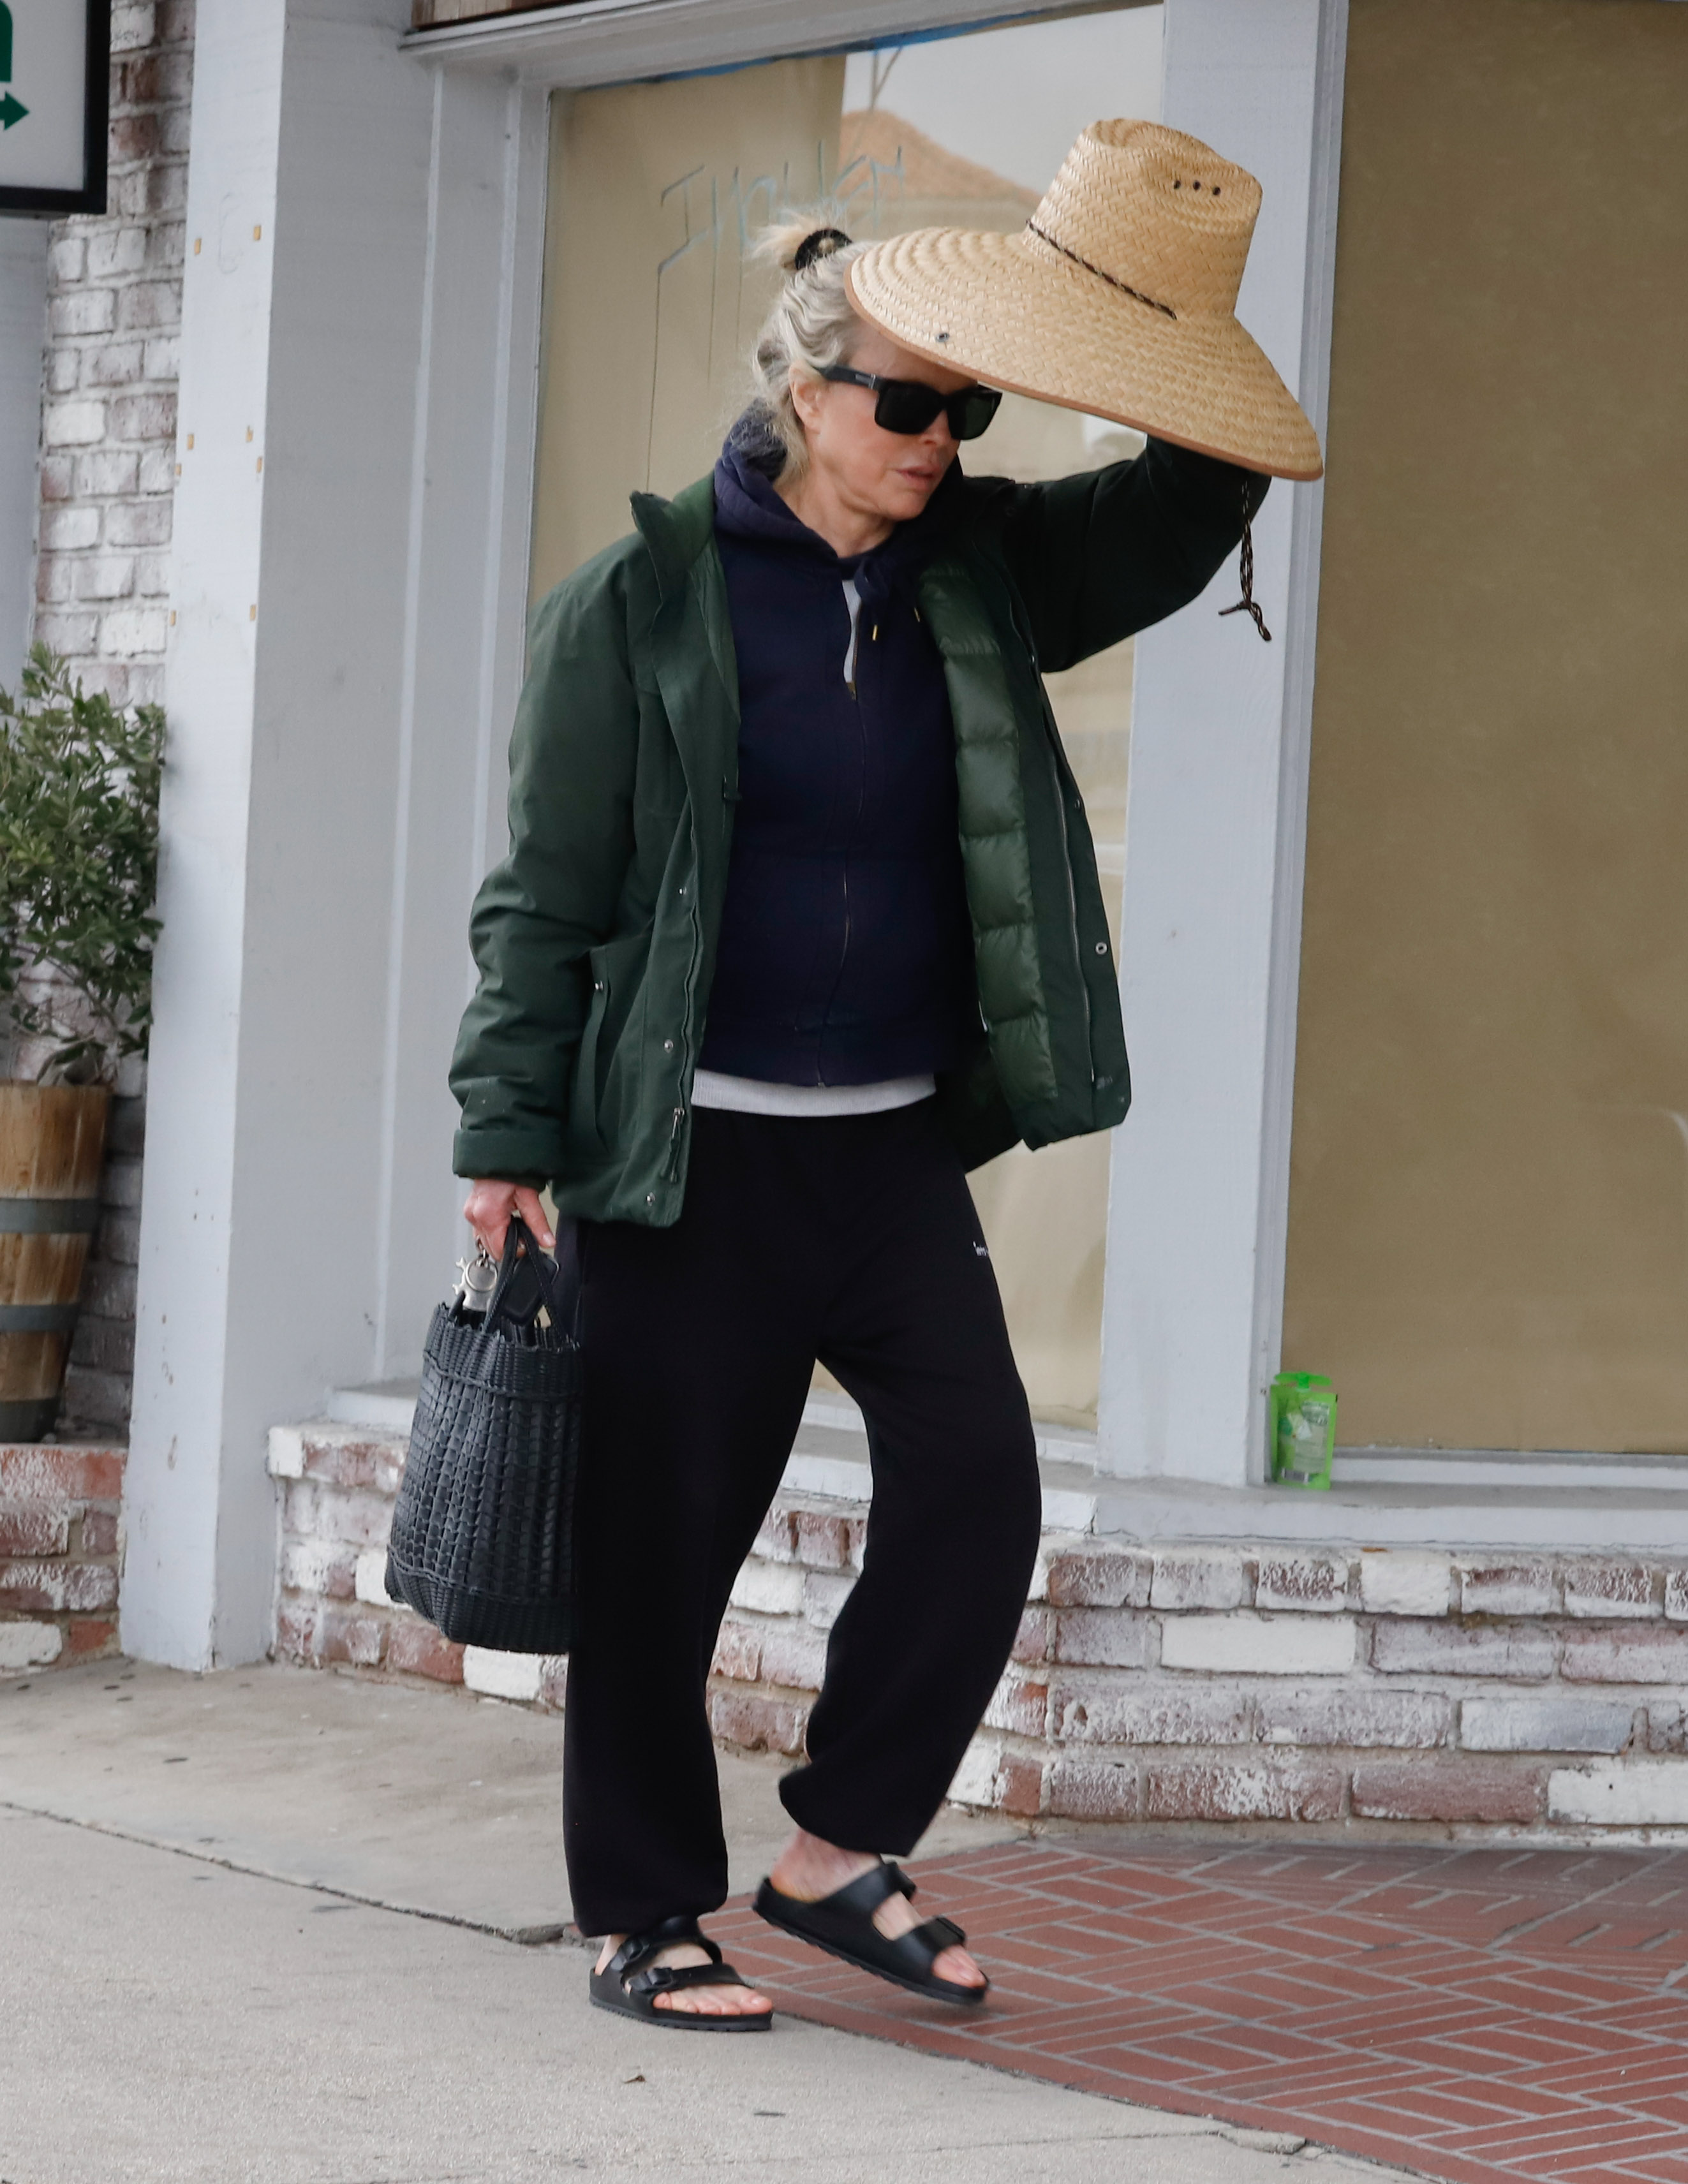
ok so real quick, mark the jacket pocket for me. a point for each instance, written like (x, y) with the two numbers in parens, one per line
(617, 968)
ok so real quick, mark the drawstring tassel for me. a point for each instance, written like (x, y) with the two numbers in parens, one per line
(1248, 604)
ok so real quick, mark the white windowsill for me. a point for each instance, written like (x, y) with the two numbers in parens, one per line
(1517, 1469)
(1382, 1497)
(1379, 1497)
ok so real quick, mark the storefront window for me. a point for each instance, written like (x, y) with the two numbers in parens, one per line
(657, 191)
(1489, 1200)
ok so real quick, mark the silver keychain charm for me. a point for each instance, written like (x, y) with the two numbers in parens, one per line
(477, 1278)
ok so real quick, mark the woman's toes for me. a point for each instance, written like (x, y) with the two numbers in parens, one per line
(897, 1915)
(695, 2001)
(716, 2001)
(957, 1965)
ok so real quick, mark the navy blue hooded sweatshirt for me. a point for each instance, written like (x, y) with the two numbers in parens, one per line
(845, 955)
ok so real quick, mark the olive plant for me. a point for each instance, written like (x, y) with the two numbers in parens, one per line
(79, 863)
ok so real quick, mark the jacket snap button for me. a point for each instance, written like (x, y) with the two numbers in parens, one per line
(1101, 948)
(668, 1046)
(650, 1198)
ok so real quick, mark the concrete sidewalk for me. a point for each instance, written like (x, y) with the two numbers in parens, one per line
(252, 1931)
(434, 1801)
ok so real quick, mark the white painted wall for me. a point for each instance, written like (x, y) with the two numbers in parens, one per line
(1216, 824)
(23, 338)
(328, 808)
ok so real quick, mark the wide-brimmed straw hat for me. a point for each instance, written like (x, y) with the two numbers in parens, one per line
(1118, 296)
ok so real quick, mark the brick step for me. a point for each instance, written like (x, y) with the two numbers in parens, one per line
(1164, 1681)
(60, 1553)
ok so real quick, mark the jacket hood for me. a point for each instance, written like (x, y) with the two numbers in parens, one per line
(748, 506)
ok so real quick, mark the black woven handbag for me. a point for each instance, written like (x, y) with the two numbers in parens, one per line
(482, 1540)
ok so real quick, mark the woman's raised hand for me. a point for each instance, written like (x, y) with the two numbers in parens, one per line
(489, 1206)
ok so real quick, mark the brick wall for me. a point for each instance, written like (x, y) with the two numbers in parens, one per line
(1343, 1688)
(338, 1486)
(60, 1555)
(1379, 1693)
(108, 475)
(108, 469)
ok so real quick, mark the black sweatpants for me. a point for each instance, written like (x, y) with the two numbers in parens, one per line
(852, 1240)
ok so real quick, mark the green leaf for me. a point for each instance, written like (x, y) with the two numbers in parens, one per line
(78, 864)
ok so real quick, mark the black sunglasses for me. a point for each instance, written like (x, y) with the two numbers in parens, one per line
(909, 405)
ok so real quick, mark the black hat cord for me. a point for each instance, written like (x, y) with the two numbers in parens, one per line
(1248, 604)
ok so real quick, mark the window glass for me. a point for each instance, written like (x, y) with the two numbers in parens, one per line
(1489, 1195)
(651, 303)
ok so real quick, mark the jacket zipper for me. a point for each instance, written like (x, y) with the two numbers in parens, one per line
(1053, 734)
(860, 806)
(676, 1143)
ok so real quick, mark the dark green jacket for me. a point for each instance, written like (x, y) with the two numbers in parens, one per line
(596, 936)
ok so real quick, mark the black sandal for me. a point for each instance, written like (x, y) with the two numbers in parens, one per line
(630, 1983)
(842, 1924)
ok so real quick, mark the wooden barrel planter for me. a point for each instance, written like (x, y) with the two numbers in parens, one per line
(52, 1145)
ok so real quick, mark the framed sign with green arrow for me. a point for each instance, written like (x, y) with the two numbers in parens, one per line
(55, 67)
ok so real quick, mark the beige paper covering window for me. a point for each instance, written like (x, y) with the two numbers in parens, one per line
(1489, 1204)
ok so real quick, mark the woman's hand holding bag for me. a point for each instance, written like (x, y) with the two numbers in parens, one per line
(482, 1542)
(489, 1206)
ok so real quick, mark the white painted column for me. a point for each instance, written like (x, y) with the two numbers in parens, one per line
(336, 668)
(470, 520)
(175, 1487)
(1216, 824)
(23, 338)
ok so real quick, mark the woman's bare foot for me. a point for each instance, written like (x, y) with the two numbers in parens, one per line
(809, 1867)
(701, 2001)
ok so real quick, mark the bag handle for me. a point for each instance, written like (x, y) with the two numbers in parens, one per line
(522, 1249)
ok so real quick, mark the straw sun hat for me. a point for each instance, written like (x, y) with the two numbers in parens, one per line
(1117, 297)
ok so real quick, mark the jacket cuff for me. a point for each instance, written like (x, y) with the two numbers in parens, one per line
(1210, 473)
(505, 1157)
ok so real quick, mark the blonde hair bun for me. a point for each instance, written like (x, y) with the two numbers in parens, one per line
(784, 241)
(813, 324)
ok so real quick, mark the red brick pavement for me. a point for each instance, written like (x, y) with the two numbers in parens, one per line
(1475, 2014)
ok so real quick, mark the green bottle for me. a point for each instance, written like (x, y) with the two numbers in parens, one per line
(1301, 1414)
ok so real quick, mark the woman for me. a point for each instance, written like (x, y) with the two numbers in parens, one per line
(799, 921)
